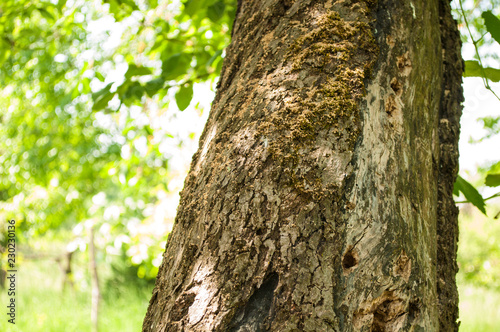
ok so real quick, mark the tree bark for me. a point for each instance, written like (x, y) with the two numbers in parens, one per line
(321, 195)
(449, 129)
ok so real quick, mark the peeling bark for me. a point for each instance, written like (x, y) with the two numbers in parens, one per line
(320, 197)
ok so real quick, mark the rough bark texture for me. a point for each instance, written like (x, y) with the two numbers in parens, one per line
(449, 128)
(320, 198)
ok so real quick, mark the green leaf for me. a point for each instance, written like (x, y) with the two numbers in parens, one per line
(99, 76)
(495, 168)
(149, 130)
(191, 7)
(214, 57)
(153, 3)
(130, 92)
(102, 97)
(133, 70)
(216, 11)
(492, 24)
(102, 102)
(153, 86)
(470, 193)
(491, 123)
(175, 66)
(48, 16)
(129, 3)
(101, 92)
(183, 97)
(474, 69)
(492, 180)
(136, 91)
(121, 8)
(85, 84)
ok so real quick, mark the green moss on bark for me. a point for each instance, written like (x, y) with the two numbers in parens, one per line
(330, 62)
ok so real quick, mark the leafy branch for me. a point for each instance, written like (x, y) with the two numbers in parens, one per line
(477, 69)
(471, 67)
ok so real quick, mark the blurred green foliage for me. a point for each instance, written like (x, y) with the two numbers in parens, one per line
(480, 26)
(479, 252)
(83, 85)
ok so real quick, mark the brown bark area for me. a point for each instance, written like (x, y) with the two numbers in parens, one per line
(312, 203)
(449, 128)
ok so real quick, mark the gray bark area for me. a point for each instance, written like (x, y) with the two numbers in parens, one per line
(321, 192)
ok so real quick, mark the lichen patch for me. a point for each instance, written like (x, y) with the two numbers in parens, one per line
(337, 55)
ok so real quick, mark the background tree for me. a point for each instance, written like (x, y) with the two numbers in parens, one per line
(321, 196)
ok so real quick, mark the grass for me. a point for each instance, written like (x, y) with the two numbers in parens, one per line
(479, 309)
(479, 262)
(42, 306)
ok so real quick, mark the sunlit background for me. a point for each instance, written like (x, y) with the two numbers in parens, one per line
(102, 104)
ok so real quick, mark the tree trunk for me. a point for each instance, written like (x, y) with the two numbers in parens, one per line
(68, 271)
(321, 196)
(94, 277)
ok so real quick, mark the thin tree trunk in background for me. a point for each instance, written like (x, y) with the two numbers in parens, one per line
(67, 271)
(320, 198)
(96, 293)
(3, 273)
